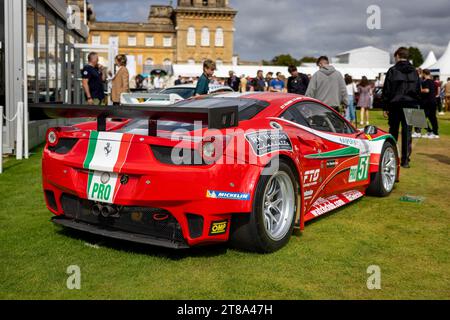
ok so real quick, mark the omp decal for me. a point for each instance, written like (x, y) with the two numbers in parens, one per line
(361, 171)
(101, 186)
(311, 178)
(269, 141)
(227, 195)
(218, 227)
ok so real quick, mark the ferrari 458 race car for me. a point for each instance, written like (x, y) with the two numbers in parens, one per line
(244, 168)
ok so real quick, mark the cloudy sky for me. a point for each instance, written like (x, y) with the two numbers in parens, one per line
(265, 28)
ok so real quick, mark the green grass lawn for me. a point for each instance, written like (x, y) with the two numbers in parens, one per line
(409, 242)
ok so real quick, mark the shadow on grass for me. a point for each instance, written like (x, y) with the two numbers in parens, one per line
(438, 157)
(143, 249)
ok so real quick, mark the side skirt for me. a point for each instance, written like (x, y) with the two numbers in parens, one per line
(326, 205)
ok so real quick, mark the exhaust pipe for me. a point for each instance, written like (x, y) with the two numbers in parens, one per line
(97, 210)
(108, 211)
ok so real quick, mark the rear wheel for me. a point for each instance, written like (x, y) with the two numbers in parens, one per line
(270, 225)
(384, 180)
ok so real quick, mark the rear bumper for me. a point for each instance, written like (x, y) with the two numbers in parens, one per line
(117, 234)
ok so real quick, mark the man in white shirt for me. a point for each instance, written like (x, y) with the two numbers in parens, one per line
(158, 82)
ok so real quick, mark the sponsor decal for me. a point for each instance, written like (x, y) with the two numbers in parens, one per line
(283, 106)
(311, 178)
(361, 171)
(352, 195)
(332, 164)
(325, 205)
(308, 194)
(105, 157)
(101, 186)
(269, 141)
(227, 195)
(218, 227)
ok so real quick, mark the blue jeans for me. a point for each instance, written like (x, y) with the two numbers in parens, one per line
(350, 113)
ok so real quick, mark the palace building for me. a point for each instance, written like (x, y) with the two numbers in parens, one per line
(189, 33)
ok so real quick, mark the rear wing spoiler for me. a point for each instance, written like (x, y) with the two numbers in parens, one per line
(216, 117)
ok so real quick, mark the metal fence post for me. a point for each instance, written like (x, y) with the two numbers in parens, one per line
(19, 135)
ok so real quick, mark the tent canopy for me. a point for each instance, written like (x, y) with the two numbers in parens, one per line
(443, 64)
(429, 61)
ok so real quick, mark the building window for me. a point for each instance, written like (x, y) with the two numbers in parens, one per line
(132, 41)
(31, 63)
(60, 62)
(167, 62)
(205, 3)
(150, 41)
(51, 60)
(114, 40)
(42, 58)
(205, 37)
(191, 37)
(96, 40)
(167, 41)
(149, 62)
(219, 37)
(191, 61)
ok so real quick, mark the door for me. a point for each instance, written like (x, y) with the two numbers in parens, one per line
(313, 168)
(345, 166)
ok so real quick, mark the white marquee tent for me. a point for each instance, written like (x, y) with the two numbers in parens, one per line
(442, 67)
(429, 61)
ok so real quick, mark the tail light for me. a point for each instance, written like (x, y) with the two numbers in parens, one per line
(213, 148)
(52, 137)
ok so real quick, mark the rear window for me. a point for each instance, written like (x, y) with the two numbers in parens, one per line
(248, 109)
(185, 93)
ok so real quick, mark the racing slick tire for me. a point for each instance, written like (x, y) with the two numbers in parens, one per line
(383, 182)
(270, 225)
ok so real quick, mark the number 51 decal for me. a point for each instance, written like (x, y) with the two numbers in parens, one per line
(361, 171)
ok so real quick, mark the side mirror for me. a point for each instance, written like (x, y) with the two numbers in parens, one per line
(370, 130)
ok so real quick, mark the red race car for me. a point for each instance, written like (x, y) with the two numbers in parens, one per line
(241, 168)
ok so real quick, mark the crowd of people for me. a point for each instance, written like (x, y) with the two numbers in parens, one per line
(405, 87)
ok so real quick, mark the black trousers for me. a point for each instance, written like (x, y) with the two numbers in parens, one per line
(397, 118)
(430, 112)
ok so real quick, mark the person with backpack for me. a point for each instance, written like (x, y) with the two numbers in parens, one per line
(401, 90)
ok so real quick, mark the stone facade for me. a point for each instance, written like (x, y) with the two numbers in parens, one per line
(193, 31)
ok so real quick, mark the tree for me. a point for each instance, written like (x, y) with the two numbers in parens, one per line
(416, 56)
(283, 60)
(308, 60)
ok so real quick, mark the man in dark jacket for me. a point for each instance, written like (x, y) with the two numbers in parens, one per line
(297, 82)
(401, 91)
(233, 81)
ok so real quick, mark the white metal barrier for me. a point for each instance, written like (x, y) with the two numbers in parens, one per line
(21, 118)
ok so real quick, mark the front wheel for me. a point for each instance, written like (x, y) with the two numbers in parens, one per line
(270, 225)
(384, 180)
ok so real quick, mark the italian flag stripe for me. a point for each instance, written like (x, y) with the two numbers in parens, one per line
(91, 149)
(123, 152)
